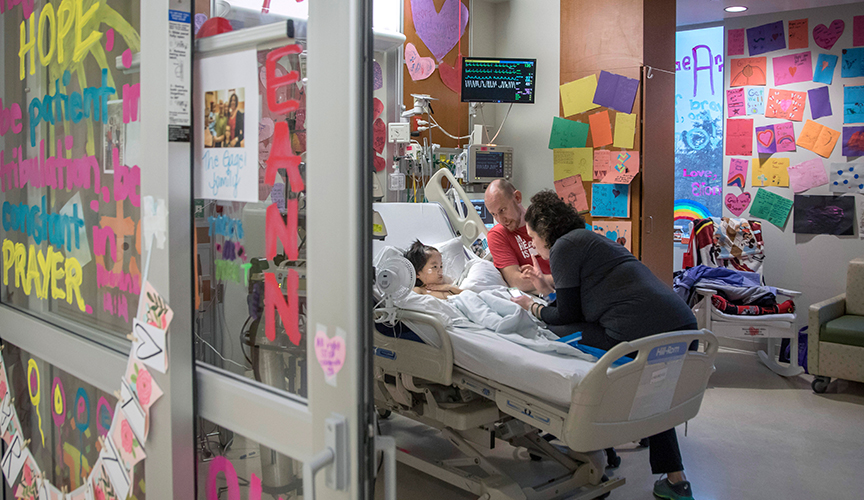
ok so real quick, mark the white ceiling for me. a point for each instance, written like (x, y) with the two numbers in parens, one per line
(707, 11)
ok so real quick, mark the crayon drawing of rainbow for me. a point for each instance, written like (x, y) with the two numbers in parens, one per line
(690, 210)
(736, 180)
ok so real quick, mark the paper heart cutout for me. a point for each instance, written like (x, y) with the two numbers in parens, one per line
(827, 36)
(377, 107)
(330, 353)
(793, 70)
(737, 204)
(379, 135)
(616, 193)
(377, 76)
(378, 163)
(440, 31)
(266, 127)
(785, 103)
(452, 75)
(824, 65)
(420, 68)
(765, 137)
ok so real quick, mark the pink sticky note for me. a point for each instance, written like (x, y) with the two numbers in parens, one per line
(330, 353)
(737, 173)
(858, 31)
(737, 204)
(793, 68)
(735, 44)
(735, 102)
(784, 134)
(806, 175)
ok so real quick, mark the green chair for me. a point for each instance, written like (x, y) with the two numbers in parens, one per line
(835, 346)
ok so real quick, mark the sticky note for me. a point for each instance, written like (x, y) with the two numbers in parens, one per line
(771, 207)
(567, 134)
(806, 175)
(578, 96)
(770, 172)
(568, 162)
(820, 102)
(625, 130)
(739, 137)
(601, 129)
(853, 104)
(824, 72)
(852, 64)
(818, 138)
(616, 92)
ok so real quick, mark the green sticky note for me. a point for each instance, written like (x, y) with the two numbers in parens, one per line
(771, 207)
(567, 134)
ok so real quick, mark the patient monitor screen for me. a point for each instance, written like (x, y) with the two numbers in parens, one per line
(480, 208)
(498, 80)
(489, 165)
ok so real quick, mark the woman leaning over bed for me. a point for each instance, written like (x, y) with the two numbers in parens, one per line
(607, 294)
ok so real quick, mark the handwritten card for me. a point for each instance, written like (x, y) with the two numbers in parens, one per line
(785, 104)
(735, 42)
(572, 192)
(853, 104)
(735, 102)
(737, 203)
(846, 178)
(578, 96)
(739, 137)
(330, 352)
(624, 168)
(625, 130)
(616, 92)
(572, 161)
(818, 138)
(806, 175)
(755, 101)
(858, 32)
(853, 141)
(799, 34)
(747, 71)
(852, 63)
(827, 36)
(601, 129)
(820, 102)
(620, 232)
(824, 72)
(793, 68)
(602, 163)
(765, 140)
(567, 134)
(737, 172)
(610, 200)
(766, 38)
(149, 345)
(771, 207)
(770, 172)
(785, 137)
(13, 460)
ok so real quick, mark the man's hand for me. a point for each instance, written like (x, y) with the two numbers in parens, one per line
(535, 275)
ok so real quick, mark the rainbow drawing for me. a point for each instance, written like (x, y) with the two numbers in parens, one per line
(690, 210)
(735, 180)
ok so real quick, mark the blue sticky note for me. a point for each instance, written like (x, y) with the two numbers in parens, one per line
(852, 65)
(568, 133)
(610, 200)
(853, 104)
(824, 72)
(766, 38)
(820, 102)
(616, 92)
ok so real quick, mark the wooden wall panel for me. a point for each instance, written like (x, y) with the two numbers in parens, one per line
(449, 111)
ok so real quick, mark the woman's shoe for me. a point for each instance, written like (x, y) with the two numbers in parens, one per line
(678, 491)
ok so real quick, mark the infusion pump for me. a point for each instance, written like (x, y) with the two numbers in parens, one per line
(488, 162)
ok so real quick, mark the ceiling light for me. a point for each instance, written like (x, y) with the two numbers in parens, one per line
(735, 8)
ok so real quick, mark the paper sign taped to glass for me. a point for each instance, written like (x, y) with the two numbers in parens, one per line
(659, 380)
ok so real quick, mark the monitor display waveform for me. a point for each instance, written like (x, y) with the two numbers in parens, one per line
(498, 80)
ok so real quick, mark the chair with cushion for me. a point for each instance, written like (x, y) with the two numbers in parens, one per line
(835, 345)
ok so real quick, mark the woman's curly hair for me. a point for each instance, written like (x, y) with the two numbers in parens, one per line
(418, 255)
(551, 218)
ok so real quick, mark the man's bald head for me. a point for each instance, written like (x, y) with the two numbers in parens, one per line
(501, 187)
(504, 202)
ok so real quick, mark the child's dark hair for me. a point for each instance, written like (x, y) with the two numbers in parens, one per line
(418, 255)
(551, 218)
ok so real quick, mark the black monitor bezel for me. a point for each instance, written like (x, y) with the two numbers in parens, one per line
(462, 79)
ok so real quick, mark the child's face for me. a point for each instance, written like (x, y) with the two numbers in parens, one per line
(433, 272)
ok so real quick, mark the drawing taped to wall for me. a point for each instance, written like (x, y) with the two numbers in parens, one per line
(824, 215)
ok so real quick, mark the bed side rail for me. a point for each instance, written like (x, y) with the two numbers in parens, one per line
(661, 388)
(420, 360)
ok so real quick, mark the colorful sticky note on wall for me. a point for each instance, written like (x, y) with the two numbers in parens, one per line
(793, 68)
(739, 137)
(747, 71)
(858, 31)
(573, 161)
(755, 100)
(610, 200)
(771, 207)
(572, 192)
(846, 178)
(820, 102)
(601, 129)
(818, 138)
(578, 96)
(616, 92)
(785, 104)
(567, 134)
(806, 175)
(625, 130)
(784, 134)
(765, 140)
(620, 232)
(624, 168)
(853, 104)
(737, 172)
(824, 72)
(799, 34)
(770, 172)
(852, 65)
(766, 38)
(602, 163)
(735, 42)
(735, 102)
(853, 141)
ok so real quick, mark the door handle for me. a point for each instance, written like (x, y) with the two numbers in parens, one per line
(387, 445)
(650, 228)
(311, 468)
(335, 455)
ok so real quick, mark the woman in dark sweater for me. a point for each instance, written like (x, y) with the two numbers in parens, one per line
(603, 291)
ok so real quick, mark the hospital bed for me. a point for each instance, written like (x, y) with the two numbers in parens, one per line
(476, 388)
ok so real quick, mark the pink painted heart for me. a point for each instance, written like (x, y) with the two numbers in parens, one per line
(265, 128)
(377, 107)
(737, 204)
(440, 31)
(420, 68)
(827, 36)
(452, 75)
(378, 163)
(785, 103)
(330, 353)
(379, 135)
(765, 137)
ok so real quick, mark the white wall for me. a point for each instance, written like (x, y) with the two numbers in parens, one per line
(813, 264)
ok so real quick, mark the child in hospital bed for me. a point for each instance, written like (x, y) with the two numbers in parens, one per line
(430, 271)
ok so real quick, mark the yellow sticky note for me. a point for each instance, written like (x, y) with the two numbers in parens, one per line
(578, 96)
(625, 130)
(770, 172)
(573, 161)
(818, 138)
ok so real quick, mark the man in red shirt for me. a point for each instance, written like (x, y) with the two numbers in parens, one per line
(512, 249)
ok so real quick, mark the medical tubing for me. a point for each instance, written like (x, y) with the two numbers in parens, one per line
(502, 124)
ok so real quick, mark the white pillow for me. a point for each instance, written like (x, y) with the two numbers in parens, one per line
(482, 275)
(454, 258)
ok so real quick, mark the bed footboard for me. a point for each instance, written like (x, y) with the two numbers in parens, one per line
(661, 388)
(419, 360)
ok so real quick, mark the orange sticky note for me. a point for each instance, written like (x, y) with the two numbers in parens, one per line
(818, 138)
(601, 129)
